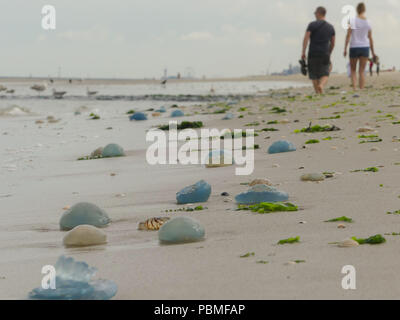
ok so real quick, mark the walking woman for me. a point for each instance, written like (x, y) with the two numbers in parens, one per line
(360, 37)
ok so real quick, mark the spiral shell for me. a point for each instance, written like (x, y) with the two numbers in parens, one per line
(152, 223)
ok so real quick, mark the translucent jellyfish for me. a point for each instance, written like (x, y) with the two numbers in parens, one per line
(84, 213)
(281, 146)
(139, 116)
(198, 192)
(84, 235)
(261, 193)
(181, 230)
(74, 282)
(228, 116)
(113, 150)
(177, 113)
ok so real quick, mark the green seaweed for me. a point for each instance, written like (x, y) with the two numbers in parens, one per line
(269, 129)
(184, 125)
(130, 111)
(277, 110)
(262, 262)
(343, 218)
(376, 239)
(370, 169)
(267, 207)
(289, 240)
(311, 141)
(247, 255)
(393, 212)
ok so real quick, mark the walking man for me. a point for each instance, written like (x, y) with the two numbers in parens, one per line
(321, 36)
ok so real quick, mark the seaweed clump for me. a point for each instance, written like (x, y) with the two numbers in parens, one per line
(268, 207)
(376, 239)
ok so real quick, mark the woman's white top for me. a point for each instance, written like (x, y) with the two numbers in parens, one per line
(359, 34)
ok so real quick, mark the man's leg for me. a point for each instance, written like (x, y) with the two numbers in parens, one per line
(316, 85)
(322, 83)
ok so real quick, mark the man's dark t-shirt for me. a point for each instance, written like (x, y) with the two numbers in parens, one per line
(320, 38)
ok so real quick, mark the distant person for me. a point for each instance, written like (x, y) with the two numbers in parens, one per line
(359, 34)
(371, 65)
(376, 61)
(321, 35)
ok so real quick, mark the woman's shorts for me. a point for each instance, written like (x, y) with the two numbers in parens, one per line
(359, 52)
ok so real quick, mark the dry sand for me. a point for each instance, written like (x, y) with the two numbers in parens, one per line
(212, 269)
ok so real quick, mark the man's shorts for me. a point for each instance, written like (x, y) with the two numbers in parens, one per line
(318, 67)
(359, 52)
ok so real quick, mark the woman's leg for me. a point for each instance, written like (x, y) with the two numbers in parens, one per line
(353, 68)
(361, 71)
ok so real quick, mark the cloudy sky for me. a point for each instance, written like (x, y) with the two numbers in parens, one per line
(139, 38)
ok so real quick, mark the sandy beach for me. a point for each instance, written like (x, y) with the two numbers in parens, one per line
(40, 175)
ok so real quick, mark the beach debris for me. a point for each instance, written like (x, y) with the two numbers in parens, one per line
(84, 235)
(343, 218)
(14, 111)
(347, 243)
(177, 113)
(247, 255)
(138, 116)
(374, 149)
(341, 226)
(393, 212)
(156, 114)
(131, 111)
(112, 150)
(181, 230)
(277, 110)
(289, 240)
(281, 146)
(84, 213)
(376, 239)
(260, 181)
(267, 207)
(225, 194)
(262, 262)
(198, 192)
(261, 193)
(74, 282)
(312, 141)
(312, 177)
(93, 116)
(152, 223)
(219, 158)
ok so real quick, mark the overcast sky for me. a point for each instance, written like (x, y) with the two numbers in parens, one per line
(139, 38)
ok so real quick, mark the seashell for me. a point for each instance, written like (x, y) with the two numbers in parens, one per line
(341, 226)
(365, 129)
(152, 223)
(156, 114)
(312, 177)
(260, 181)
(39, 121)
(84, 235)
(348, 243)
(97, 153)
(67, 208)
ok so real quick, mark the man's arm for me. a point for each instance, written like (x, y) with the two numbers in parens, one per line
(371, 43)
(305, 44)
(333, 40)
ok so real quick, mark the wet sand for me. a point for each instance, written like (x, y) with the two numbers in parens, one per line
(47, 178)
